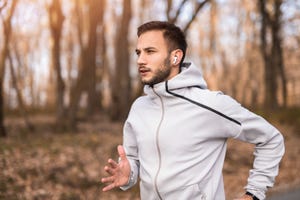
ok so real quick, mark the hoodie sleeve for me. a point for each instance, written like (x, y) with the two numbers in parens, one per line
(269, 147)
(130, 146)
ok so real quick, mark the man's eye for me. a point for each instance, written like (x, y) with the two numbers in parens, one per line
(150, 51)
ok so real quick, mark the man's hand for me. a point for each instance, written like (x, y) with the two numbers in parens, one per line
(119, 172)
(245, 197)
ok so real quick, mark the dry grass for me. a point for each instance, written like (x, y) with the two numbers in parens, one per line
(67, 166)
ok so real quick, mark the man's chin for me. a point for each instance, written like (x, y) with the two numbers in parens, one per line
(146, 82)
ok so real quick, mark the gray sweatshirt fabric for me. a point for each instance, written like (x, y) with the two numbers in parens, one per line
(175, 139)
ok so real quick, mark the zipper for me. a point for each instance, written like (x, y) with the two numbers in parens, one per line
(157, 145)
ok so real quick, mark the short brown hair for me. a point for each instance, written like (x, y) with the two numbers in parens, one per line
(173, 34)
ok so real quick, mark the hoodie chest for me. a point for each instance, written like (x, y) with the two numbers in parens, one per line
(178, 126)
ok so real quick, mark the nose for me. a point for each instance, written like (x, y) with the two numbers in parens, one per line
(141, 59)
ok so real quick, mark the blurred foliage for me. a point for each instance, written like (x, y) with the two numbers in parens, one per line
(288, 116)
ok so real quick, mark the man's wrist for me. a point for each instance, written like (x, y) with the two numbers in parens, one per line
(130, 178)
(252, 195)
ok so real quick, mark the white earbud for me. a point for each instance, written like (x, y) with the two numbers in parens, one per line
(175, 59)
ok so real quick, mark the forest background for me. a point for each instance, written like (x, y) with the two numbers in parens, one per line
(68, 76)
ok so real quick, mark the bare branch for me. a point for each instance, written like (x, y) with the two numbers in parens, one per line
(173, 20)
(2, 5)
(169, 6)
(199, 7)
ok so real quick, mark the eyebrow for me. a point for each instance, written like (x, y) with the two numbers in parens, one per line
(145, 49)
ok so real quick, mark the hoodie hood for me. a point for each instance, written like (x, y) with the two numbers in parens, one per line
(189, 76)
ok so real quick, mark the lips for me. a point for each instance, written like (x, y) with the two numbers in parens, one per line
(143, 71)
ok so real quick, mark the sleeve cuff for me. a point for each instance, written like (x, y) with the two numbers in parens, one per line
(260, 195)
(252, 195)
(130, 183)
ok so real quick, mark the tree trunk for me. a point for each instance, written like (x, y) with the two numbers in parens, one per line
(272, 54)
(277, 55)
(96, 19)
(56, 19)
(19, 95)
(121, 92)
(86, 80)
(3, 55)
(2, 72)
(271, 101)
(77, 90)
(77, 87)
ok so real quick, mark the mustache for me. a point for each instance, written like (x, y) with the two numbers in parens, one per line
(143, 68)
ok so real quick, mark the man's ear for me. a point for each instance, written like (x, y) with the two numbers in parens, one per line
(176, 56)
(175, 59)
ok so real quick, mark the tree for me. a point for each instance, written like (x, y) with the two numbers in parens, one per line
(272, 53)
(199, 5)
(6, 22)
(121, 88)
(19, 94)
(251, 58)
(96, 16)
(277, 53)
(56, 19)
(86, 80)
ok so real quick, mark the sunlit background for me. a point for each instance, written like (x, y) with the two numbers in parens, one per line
(224, 40)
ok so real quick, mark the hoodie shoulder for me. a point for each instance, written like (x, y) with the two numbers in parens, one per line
(221, 102)
(189, 76)
(141, 102)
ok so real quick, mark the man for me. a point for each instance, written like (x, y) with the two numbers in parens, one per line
(175, 136)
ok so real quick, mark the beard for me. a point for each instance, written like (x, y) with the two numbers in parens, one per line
(160, 74)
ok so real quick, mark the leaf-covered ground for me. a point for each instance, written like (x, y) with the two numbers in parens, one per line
(66, 166)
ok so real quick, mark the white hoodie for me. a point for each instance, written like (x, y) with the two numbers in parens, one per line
(175, 139)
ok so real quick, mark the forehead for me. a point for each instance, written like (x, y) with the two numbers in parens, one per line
(153, 38)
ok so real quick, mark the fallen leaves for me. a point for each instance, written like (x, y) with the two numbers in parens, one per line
(45, 165)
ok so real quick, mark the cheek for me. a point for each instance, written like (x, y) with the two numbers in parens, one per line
(160, 60)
